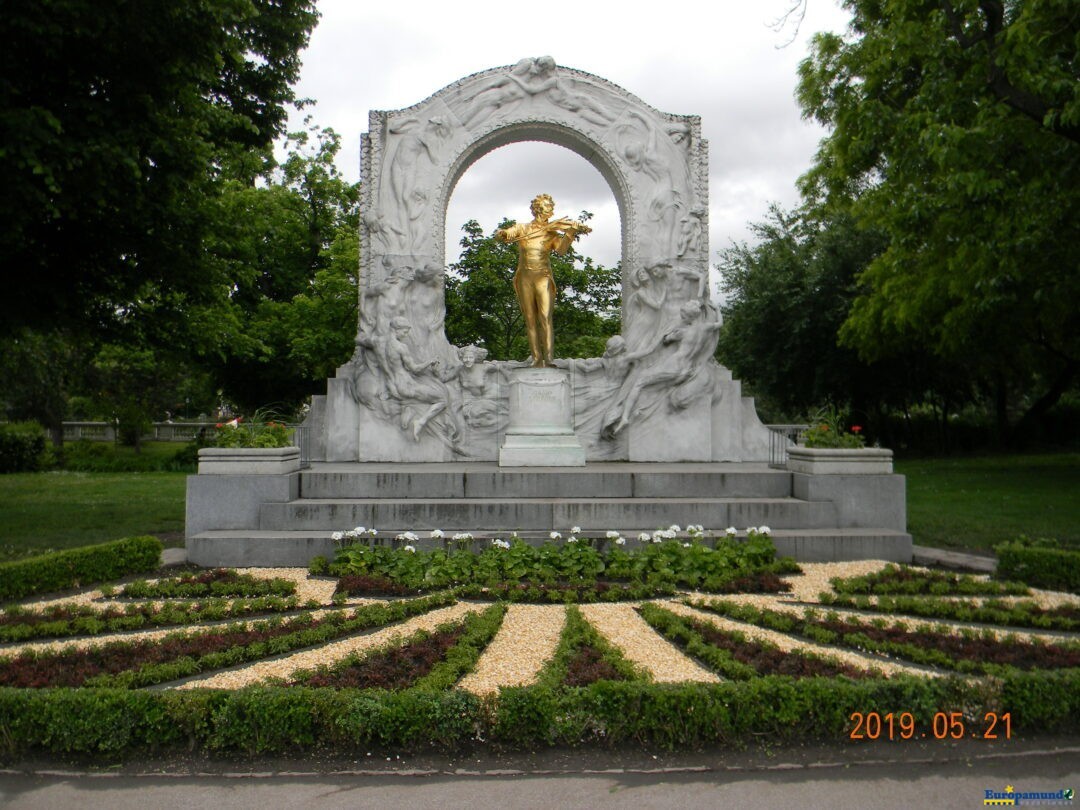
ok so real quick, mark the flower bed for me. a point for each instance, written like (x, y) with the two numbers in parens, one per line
(732, 655)
(61, 621)
(579, 688)
(218, 582)
(902, 579)
(993, 611)
(968, 652)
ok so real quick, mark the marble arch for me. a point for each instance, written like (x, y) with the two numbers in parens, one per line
(408, 395)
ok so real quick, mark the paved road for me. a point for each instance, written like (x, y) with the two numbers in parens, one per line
(850, 777)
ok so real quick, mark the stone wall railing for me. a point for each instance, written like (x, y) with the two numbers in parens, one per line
(781, 437)
(160, 431)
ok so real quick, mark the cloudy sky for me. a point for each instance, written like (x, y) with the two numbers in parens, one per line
(720, 61)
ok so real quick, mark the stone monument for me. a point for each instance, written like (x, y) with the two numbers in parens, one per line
(407, 436)
(407, 395)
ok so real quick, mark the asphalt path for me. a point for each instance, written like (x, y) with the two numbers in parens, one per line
(875, 776)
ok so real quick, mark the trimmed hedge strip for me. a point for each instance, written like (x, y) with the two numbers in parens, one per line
(108, 722)
(78, 567)
(1055, 569)
(577, 633)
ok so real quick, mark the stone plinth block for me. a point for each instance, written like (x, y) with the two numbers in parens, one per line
(249, 460)
(541, 428)
(837, 461)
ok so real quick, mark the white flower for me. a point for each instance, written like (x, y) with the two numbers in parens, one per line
(554, 535)
(674, 527)
(359, 530)
(620, 541)
(462, 536)
(497, 543)
(436, 534)
(575, 530)
(731, 531)
(337, 536)
(372, 532)
(571, 539)
(686, 545)
(657, 539)
(410, 549)
(612, 534)
(644, 537)
(763, 530)
(408, 537)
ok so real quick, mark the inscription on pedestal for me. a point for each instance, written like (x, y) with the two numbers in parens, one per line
(540, 432)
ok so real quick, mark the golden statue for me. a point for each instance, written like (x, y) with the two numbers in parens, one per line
(533, 282)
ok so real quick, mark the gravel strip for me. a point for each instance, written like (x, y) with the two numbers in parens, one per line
(321, 590)
(815, 577)
(790, 644)
(621, 625)
(525, 642)
(331, 652)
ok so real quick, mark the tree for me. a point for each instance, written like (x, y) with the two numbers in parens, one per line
(289, 248)
(785, 301)
(114, 118)
(481, 306)
(954, 131)
(38, 372)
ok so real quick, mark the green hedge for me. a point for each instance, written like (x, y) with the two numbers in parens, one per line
(78, 567)
(1039, 563)
(288, 720)
(22, 447)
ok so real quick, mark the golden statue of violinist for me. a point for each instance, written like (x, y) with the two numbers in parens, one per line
(533, 282)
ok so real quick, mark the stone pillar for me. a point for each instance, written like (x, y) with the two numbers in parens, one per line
(541, 428)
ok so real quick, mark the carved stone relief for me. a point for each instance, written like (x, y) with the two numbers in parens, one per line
(419, 398)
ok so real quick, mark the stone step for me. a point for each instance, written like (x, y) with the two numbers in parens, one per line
(330, 481)
(250, 547)
(543, 514)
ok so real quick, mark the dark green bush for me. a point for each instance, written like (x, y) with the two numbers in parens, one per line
(88, 456)
(78, 567)
(268, 720)
(1039, 563)
(22, 447)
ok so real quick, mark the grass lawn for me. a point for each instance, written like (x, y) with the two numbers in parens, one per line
(55, 510)
(975, 503)
(971, 503)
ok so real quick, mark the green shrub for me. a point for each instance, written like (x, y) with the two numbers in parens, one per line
(262, 720)
(78, 567)
(88, 456)
(22, 447)
(1040, 563)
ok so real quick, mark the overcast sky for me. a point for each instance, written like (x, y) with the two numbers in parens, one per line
(722, 62)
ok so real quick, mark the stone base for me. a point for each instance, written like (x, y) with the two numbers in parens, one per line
(541, 451)
(837, 461)
(541, 428)
(249, 460)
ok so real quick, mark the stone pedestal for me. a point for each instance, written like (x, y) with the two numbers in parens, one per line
(540, 432)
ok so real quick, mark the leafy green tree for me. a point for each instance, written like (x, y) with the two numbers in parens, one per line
(289, 248)
(954, 132)
(114, 120)
(38, 372)
(481, 306)
(786, 298)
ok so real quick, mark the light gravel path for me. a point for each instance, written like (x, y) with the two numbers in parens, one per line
(525, 642)
(333, 651)
(790, 644)
(621, 625)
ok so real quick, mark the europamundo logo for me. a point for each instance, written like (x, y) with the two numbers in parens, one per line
(1011, 797)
